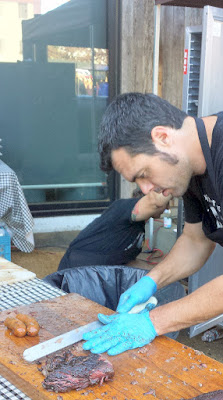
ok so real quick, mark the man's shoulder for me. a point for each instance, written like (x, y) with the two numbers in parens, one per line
(219, 122)
(217, 142)
(121, 208)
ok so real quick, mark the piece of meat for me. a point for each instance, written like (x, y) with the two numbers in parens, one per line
(67, 372)
(216, 395)
(17, 327)
(54, 362)
(32, 325)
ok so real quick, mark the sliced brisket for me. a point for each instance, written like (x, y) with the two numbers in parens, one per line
(66, 372)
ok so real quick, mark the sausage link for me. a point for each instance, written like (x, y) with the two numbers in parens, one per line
(17, 327)
(31, 324)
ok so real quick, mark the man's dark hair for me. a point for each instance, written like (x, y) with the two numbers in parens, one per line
(128, 122)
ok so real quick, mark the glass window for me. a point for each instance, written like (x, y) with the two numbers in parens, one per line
(23, 10)
(1, 45)
(54, 76)
(88, 80)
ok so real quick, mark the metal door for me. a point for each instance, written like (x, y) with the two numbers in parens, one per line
(202, 95)
(210, 101)
(211, 76)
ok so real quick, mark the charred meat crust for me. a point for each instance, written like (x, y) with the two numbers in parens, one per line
(67, 372)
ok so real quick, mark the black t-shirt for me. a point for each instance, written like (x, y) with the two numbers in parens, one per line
(203, 200)
(113, 233)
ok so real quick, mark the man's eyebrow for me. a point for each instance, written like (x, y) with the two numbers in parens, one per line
(133, 179)
(137, 175)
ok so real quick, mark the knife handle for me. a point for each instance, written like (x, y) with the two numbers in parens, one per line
(147, 306)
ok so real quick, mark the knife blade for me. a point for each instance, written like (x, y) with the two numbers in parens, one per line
(75, 335)
(59, 342)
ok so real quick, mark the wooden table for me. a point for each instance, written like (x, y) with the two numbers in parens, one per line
(11, 273)
(164, 369)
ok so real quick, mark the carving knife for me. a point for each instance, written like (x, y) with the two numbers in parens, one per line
(74, 336)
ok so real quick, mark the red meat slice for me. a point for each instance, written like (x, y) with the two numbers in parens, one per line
(67, 372)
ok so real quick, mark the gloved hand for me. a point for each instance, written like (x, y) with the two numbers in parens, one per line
(122, 332)
(140, 292)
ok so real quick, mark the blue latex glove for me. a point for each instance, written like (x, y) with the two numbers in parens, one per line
(140, 292)
(121, 332)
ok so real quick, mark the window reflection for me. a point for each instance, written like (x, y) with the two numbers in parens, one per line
(55, 79)
(11, 15)
(49, 5)
(89, 80)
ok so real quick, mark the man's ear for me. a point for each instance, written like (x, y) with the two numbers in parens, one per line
(161, 136)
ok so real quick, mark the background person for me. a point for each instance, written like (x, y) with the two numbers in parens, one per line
(161, 148)
(116, 237)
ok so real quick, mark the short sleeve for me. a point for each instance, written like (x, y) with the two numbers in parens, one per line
(192, 205)
(120, 211)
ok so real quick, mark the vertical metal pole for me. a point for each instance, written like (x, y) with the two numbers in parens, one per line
(155, 87)
(93, 111)
(180, 219)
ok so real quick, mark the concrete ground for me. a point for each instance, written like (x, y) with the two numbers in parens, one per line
(50, 248)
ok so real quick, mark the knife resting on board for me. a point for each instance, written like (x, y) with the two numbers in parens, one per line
(75, 335)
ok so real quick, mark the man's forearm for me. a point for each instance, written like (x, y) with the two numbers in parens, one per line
(148, 205)
(187, 256)
(201, 305)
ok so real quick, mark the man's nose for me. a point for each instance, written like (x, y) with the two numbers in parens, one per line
(145, 187)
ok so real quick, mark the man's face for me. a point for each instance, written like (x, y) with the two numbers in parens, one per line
(153, 172)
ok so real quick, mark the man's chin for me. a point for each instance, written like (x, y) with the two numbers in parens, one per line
(179, 193)
(174, 193)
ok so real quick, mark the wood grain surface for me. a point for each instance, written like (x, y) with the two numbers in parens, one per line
(12, 273)
(164, 369)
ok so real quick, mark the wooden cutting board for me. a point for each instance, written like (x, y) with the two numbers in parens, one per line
(12, 273)
(164, 369)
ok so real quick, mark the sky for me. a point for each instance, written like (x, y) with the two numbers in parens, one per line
(48, 5)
